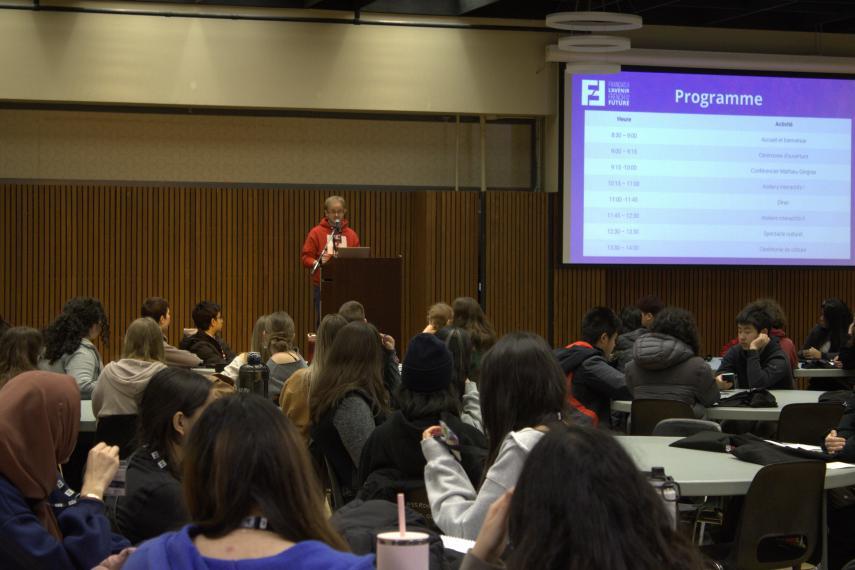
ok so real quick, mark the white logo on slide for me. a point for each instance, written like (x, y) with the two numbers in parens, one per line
(593, 93)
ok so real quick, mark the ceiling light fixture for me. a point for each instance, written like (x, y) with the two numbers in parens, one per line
(594, 21)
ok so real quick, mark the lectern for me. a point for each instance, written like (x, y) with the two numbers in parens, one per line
(375, 282)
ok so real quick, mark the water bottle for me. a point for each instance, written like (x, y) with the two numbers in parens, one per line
(254, 376)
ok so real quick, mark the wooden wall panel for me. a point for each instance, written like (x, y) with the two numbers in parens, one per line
(517, 268)
(241, 247)
(237, 246)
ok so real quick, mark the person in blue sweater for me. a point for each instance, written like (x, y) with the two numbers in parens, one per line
(253, 495)
(43, 523)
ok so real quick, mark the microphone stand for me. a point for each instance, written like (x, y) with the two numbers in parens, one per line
(316, 266)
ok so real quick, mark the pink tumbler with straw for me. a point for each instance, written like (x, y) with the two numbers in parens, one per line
(402, 550)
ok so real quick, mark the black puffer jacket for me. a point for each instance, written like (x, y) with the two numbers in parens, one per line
(622, 354)
(664, 367)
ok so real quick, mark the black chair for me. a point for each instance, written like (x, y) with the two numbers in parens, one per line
(118, 430)
(808, 423)
(684, 427)
(778, 527)
(645, 414)
(334, 487)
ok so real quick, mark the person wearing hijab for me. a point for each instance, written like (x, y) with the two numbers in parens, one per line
(43, 523)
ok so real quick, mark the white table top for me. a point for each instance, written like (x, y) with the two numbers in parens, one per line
(702, 473)
(823, 373)
(87, 417)
(783, 397)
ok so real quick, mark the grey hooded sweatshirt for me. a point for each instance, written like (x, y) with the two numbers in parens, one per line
(120, 386)
(664, 367)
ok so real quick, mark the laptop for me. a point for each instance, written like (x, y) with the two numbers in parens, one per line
(354, 252)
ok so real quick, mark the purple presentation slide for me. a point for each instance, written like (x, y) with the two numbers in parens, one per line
(697, 169)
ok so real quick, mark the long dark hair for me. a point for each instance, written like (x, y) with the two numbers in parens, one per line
(19, 351)
(170, 391)
(459, 343)
(577, 483)
(78, 316)
(469, 315)
(680, 324)
(228, 474)
(522, 385)
(354, 362)
(837, 317)
(427, 405)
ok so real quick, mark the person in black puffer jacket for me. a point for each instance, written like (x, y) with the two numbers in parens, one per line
(665, 363)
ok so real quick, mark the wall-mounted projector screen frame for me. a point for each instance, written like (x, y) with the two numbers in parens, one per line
(704, 167)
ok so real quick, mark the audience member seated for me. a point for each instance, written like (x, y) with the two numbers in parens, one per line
(206, 344)
(348, 401)
(284, 359)
(20, 348)
(459, 343)
(157, 308)
(43, 523)
(153, 503)
(68, 343)
(846, 358)
(647, 308)
(294, 399)
(117, 393)
(592, 383)
(758, 360)
(522, 394)
(779, 327)
(665, 363)
(354, 312)
(630, 330)
(426, 398)
(253, 497)
(469, 316)
(581, 503)
(257, 343)
(830, 334)
(439, 315)
(841, 514)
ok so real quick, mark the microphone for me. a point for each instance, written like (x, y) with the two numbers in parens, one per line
(337, 226)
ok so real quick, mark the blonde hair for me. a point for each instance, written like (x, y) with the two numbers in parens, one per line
(280, 333)
(143, 341)
(329, 202)
(439, 315)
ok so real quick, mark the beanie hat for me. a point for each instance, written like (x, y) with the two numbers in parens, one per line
(427, 364)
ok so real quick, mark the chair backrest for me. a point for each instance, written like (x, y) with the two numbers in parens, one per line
(808, 423)
(784, 500)
(645, 414)
(336, 495)
(120, 430)
(684, 427)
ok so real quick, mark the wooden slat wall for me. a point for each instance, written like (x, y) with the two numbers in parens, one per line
(240, 247)
(517, 268)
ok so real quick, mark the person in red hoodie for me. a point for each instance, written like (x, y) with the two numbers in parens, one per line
(323, 240)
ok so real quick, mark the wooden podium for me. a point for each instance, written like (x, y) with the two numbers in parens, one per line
(375, 282)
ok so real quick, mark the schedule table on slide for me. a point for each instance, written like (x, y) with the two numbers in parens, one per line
(666, 184)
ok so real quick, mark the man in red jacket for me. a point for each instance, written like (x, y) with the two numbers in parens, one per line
(324, 240)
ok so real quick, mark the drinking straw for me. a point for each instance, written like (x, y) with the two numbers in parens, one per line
(402, 521)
